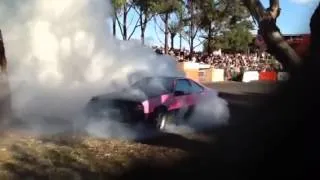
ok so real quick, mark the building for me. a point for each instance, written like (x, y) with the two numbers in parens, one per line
(297, 41)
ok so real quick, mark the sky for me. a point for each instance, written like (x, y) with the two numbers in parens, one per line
(294, 19)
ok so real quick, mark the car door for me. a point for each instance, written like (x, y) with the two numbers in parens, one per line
(181, 91)
(195, 93)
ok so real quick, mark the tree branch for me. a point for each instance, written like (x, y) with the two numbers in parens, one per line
(186, 37)
(120, 25)
(195, 32)
(131, 21)
(274, 9)
(155, 29)
(155, 21)
(149, 18)
(273, 38)
(200, 43)
(128, 7)
(134, 29)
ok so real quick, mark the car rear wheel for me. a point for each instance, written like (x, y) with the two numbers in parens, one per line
(124, 115)
(161, 119)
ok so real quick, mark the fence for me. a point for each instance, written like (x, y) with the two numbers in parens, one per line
(264, 76)
(208, 74)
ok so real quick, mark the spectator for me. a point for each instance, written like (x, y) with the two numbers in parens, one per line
(233, 64)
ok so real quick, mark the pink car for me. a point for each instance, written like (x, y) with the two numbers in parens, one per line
(151, 100)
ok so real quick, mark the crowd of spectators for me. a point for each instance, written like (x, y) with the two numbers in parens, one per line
(234, 64)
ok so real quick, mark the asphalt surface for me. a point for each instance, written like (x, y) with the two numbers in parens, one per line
(255, 87)
(244, 97)
(238, 93)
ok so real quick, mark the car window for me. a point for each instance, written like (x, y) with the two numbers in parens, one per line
(195, 87)
(183, 85)
(154, 86)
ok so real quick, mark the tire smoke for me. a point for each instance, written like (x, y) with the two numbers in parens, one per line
(61, 53)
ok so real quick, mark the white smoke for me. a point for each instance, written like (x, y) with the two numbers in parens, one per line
(210, 112)
(61, 53)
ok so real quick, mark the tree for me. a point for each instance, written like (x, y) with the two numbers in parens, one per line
(117, 4)
(236, 39)
(122, 9)
(145, 11)
(164, 9)
(224, 19)
(175, 27)
(273, 38)
(193, 23)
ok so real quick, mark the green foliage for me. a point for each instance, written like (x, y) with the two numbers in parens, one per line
(117, 4)
(177, 24)
(222, 23)
(225, 25)
(210, 12)
(236, 39)
(166, 7)
(144, 6)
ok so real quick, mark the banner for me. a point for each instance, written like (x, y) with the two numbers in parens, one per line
(268, 76)
(249, 76)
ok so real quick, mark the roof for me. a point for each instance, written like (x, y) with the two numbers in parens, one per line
(165, 77)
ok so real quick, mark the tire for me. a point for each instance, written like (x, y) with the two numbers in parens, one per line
(161, 119)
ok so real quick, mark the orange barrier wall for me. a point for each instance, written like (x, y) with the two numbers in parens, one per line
(192, 74)
(268, 76)
(191, 70)
(205, 75)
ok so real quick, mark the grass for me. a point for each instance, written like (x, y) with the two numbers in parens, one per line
(24, 156)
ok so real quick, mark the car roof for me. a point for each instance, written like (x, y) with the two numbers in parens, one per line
(165, 77)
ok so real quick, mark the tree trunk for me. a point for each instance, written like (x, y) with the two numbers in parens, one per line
(114, 29)
(273, 38)
(166, 33)
(209, 41)
(172, 36)
(191, 28)
(124, 24)
(5, 95)
(180, 43)
(143, 23)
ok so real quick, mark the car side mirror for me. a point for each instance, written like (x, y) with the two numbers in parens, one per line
(178, 93)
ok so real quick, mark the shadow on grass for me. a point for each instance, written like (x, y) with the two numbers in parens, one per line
(57, 161)
(176, 141)
(61, 157)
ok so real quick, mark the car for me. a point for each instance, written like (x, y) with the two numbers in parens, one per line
(150, 100)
